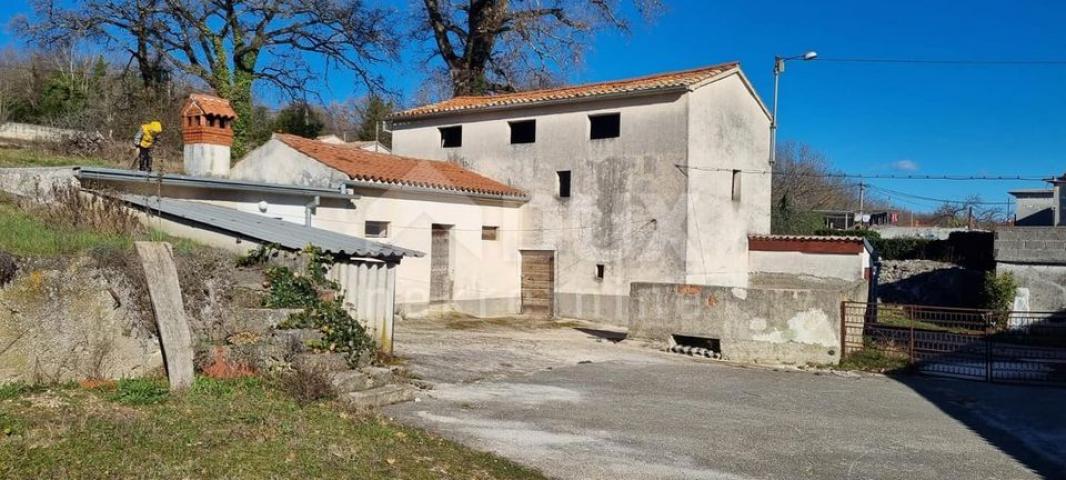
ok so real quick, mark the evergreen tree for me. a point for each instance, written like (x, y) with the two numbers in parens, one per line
(299, 118)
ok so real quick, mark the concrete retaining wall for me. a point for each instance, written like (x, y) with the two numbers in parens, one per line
(36, 183)
(25, 132)
(1036, 256)
(761, 325)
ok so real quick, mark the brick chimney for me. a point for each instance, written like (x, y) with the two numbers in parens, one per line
(207, 131)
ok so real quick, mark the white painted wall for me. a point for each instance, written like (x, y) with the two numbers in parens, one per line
(206, 160)
(35, 133)
(485, 273)
(729, 130)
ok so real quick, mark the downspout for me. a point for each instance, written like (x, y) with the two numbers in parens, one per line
(310, 207)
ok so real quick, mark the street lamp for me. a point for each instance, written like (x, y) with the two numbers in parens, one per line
(779, 68)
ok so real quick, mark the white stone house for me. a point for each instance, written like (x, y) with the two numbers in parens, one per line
(654, 179)
(467, 224)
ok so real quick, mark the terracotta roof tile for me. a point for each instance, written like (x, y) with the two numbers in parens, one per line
(370, 166)
(642, 84)
(811, 238)
(209, 105)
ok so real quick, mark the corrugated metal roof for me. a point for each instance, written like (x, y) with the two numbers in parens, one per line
(264, 229)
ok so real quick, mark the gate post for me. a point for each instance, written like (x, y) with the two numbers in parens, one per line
(843, 330)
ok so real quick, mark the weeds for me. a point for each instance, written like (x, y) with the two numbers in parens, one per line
(306, 386)
(140, 391)
(875, 360)
(17, 389)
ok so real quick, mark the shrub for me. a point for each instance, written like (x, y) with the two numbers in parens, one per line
(288, 289)
(859, 232)
(999, 291)
(306, 386)
(259, 256)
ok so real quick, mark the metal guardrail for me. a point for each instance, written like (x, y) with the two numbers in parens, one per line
(993, 346)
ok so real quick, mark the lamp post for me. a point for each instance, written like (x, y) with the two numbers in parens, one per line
(779, 68)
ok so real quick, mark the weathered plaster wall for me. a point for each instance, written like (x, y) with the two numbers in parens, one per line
(728, 131)
(627, 205)
(850, 267)
(763, 325)
(73, 321)
(206, 160)
(1036, 256)
(276, 162)
(36, 183)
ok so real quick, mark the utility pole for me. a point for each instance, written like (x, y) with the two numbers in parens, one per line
(862, 198)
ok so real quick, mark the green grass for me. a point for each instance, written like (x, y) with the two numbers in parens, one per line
(896, 318)
(222, 429)
(21, 157)
(23, 234)
(873, 360)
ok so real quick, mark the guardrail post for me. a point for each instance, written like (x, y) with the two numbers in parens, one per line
(843, 330)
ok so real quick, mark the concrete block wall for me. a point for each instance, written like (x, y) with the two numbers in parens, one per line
(762, 325)
(1033, 245)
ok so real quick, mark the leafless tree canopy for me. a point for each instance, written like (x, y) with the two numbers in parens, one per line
(230, 44)
(497, 45)
(801, 175)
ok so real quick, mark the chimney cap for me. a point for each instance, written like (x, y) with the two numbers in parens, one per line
(204, 104)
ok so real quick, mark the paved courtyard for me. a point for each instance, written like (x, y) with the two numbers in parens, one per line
(579, 407)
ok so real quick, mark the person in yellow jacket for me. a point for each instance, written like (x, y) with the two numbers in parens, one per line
(144, 141)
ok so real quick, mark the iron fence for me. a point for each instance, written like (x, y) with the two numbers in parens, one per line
(994, 346)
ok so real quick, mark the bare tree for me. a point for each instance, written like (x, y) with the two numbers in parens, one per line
(496, 45)
(803, 178)
(232, 44)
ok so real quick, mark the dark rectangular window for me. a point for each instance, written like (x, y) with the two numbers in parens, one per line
(374, 229)
(608, 125)
(600, 269)
(489, 233)
(564, 183)
(524, 131)
(736, 185)
(451, 137)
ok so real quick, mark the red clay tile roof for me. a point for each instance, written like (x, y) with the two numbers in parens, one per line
(806, 243)
(370, 166)
(642, 84)
(209, 105)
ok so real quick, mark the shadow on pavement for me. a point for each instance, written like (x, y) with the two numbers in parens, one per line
(608, 335)
(1026, 422)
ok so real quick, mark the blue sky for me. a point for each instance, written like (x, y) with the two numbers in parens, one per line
(867, 118)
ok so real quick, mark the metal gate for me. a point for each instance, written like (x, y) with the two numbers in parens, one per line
(994, 346)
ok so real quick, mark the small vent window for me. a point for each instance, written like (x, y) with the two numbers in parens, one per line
(564, 183)
(600, 269)
(605, 126)
(375, 229)
(451, 137)
(524, 131)
(489, 233)
(736, 185)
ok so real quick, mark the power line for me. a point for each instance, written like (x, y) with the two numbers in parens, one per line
(941, 61)
(931, 199)
(1027, 178)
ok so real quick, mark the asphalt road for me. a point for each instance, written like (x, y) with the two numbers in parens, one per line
(638, 413)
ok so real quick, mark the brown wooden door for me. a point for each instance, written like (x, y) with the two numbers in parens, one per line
(538, 282)
(440, 272)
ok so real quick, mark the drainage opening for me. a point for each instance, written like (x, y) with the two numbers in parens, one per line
(696, 346)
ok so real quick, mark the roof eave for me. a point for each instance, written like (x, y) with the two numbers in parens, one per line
(128, 176)
(400, 118)
(436, 190)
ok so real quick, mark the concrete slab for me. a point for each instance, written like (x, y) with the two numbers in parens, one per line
(165, 292)
(638, 413)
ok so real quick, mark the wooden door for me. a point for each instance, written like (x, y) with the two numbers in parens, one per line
(538, 282)
(440, 271)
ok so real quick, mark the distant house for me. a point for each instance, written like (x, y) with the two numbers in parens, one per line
(660, 178)
(1034, 207)
(848, 219)
(369, 145)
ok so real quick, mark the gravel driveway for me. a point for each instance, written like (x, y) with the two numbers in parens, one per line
(577, 406)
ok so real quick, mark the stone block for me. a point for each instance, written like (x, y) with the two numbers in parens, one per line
(351, 381)
(320, 362)
(378, 397)
(296, 339)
